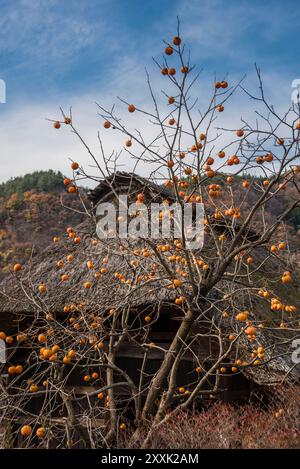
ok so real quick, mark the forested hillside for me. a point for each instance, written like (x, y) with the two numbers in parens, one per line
(33, 209)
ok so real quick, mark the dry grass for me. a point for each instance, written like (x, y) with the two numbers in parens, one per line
(227, 426)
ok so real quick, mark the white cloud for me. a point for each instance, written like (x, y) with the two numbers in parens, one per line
(29, 142)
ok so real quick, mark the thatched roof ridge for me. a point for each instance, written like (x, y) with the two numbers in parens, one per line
(128, 183)
(131, 184)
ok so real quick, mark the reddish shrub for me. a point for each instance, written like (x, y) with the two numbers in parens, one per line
(230, 426)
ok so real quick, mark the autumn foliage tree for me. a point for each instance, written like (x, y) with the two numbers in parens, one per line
(220, 292)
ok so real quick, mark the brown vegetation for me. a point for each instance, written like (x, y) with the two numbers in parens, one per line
(100, 332)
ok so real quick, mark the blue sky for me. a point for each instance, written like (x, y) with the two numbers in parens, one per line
(63, 52)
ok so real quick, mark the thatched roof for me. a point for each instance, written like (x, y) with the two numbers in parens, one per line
(129, 183)
(20, 293)
(20, 297)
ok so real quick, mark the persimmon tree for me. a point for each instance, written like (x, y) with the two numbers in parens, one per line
(236, 173)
